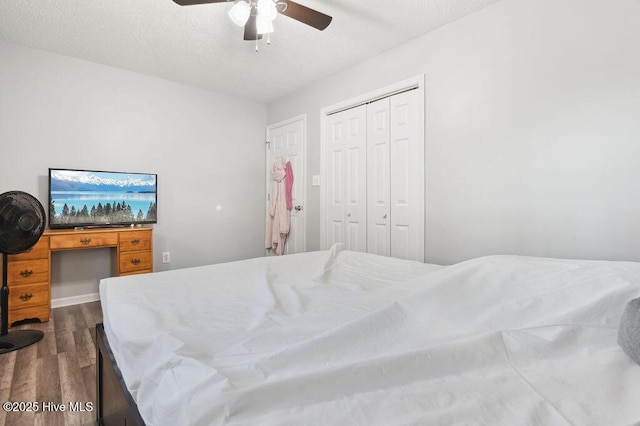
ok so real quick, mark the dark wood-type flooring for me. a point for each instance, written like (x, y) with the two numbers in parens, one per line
(59, 369)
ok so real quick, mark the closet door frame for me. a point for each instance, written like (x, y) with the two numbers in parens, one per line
(413, 83)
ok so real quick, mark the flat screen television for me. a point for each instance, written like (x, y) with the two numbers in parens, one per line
(92, 198)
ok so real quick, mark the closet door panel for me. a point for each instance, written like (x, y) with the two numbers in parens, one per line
(407, 176)
(345, 178)
(356, 179)
(334, 179)
(378, 179)
(355, 216)
(336, 232)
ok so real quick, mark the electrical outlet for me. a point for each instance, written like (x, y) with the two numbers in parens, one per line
(166, 257)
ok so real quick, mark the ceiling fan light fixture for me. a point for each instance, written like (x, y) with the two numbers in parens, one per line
(240, 12)
(257, 16)
(267, 9)
(263, 25)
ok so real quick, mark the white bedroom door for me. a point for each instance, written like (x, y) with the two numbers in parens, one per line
(345, 178)
(287, 140)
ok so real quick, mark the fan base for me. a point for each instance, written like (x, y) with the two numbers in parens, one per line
(19, 339)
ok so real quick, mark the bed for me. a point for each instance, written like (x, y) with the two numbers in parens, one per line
(337, 337)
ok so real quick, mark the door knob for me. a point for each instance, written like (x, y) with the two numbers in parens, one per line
(384, 216)
(348, 214)
(298, 208)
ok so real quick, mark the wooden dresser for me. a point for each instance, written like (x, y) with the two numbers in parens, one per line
(29, 273)
(28, 278)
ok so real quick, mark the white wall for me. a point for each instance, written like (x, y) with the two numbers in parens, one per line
(207, 149)
(532, 127)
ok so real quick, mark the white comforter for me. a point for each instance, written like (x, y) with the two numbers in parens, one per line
(344, 338)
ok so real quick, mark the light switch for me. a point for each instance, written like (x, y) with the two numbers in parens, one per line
(315, 180)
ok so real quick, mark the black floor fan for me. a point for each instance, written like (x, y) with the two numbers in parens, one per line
(21, 226)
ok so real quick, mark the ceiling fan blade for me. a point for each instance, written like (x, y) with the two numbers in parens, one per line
(306, 15)
(251, 29)
(192, 2)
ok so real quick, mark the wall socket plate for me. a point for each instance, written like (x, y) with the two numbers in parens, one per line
(315, 180)
(166, 257)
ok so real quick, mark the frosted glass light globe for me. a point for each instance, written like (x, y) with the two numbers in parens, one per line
(240, 12)
(267, 9)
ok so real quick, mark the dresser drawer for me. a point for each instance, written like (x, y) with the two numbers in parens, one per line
(28, 271)
(28, 295)
(39, 251)
(84, 240)
(40, 312)
(135, 261)
(136, 240)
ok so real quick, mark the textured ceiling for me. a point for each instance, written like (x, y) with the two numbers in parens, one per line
(200, 46)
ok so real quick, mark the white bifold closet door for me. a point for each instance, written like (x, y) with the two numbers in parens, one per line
(346, 178)
(374, 173)
(395, 177)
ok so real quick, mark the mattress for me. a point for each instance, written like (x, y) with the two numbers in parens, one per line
(337, 337)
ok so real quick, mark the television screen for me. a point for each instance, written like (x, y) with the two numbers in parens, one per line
(86, 198)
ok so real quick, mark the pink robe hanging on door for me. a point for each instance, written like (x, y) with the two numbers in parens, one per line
(288, 179)
(278, 220)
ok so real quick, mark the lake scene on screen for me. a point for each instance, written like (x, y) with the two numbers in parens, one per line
(86, 197)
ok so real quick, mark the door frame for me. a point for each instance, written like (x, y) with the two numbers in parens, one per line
(303, 178)
(416, 82)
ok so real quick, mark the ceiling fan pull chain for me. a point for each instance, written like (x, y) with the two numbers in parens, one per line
(256, 44)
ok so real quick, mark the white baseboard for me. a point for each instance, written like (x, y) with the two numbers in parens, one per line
(75, 300)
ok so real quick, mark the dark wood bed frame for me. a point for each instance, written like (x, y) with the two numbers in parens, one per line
(115, 405)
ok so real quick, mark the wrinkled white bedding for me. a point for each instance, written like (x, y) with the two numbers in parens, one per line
(343, 338)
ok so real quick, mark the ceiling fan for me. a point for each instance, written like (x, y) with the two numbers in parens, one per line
(257, 15)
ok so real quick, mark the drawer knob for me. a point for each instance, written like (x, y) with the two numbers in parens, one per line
(26, 273)
(26, 296)
(135, 261)
(85, 241)
(135, 241)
